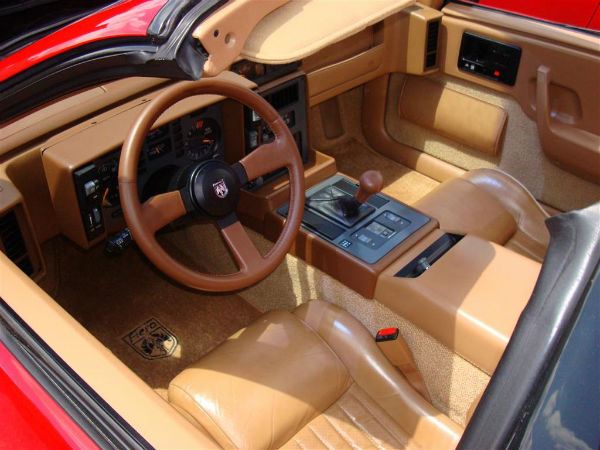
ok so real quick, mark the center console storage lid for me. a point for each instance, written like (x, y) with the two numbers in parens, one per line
(470, 299)
(302, 27)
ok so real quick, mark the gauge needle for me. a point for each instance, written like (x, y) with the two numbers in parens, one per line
(105, 202)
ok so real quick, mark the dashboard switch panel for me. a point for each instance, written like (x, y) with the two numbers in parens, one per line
(488, 58)
(87, 186)
(373, 236)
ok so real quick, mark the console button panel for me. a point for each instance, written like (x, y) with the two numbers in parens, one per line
(372, 237)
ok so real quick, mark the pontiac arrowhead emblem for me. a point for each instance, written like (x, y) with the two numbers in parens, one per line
(220, 188)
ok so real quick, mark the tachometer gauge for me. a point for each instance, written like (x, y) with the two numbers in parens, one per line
(202, 140)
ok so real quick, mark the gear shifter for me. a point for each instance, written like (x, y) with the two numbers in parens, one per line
(371, 183)
(338, 203)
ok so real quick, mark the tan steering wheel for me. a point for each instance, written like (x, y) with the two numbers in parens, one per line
(212, 188)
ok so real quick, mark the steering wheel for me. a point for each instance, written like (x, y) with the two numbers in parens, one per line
(213, 189)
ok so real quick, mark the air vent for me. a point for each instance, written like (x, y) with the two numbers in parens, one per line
(13, 243)
(284, 97)
(431, 47)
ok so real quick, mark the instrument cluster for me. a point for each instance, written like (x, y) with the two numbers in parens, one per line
(188, 139)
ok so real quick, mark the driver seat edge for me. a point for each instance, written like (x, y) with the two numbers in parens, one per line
(313, 378)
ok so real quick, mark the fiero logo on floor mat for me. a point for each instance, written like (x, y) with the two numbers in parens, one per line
(152, 340)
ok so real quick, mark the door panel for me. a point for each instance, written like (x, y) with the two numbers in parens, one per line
(551, 142)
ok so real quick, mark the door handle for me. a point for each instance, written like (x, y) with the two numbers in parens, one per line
(573, 148)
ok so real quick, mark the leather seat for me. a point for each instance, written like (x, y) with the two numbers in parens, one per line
(492, 205)
(313, 378)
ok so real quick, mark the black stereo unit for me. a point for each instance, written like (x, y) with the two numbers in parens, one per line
(488, 58)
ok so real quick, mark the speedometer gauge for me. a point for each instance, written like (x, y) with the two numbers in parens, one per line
(202, 140)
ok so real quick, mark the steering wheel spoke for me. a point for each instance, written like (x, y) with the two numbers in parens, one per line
(265, 159)
(244, 251)
(162, 209)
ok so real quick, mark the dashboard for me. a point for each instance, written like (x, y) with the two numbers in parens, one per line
(187, 140)
(194, 137)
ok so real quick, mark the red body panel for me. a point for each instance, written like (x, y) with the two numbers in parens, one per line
(595, 20)
(127, 18)
(30, 418)
(569, 12)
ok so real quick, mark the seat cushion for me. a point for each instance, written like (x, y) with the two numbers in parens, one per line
(289, 379)
(263, 384)
(354, 421)
(492, 205)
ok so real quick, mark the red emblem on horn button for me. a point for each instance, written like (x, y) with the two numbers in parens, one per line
(220, 188)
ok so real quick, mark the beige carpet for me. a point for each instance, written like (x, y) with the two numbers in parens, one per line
(408, 186)
(111, 296)
(354, 156)
(453, 382)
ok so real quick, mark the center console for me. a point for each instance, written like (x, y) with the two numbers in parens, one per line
(380, 225)
(464, 291)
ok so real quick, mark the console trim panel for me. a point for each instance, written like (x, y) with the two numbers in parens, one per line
(372, 237)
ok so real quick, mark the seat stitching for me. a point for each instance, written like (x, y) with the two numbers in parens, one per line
(375, 414)
(362, 428)
(298, 443)
(342, 434)
(318, 437)
(205, 413)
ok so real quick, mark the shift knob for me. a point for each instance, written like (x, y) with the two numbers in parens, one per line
(371, 183)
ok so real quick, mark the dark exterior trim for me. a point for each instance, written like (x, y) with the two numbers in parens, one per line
(95, 417)
(521, 376)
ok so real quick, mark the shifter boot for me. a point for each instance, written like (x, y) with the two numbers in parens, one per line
(339, 206)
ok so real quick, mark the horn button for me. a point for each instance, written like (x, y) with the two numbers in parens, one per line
(214, 188)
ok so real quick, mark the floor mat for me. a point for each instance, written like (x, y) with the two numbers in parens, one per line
(353, 158)
(154, 326)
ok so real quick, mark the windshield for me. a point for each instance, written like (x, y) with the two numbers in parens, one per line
(24, 22)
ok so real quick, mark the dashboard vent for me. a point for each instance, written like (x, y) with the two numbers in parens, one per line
(13, 244)
(431, 47)
(283, 97)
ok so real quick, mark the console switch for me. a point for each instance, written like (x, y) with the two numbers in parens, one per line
(91, 187)
(88, 187)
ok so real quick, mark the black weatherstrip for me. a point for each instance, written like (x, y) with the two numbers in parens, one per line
(95, 417)
(167, 52)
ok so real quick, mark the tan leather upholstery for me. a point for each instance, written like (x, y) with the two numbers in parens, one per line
(492, 205)
(311, 379)
(354, 421)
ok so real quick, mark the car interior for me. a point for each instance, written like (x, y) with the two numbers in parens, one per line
(429, 145)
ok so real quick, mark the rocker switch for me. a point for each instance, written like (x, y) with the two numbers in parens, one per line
(91, 187)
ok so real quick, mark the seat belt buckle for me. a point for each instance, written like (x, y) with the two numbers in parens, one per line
(387, 334)
(395, 349)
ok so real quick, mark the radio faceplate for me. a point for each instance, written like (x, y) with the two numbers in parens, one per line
(289, 99)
